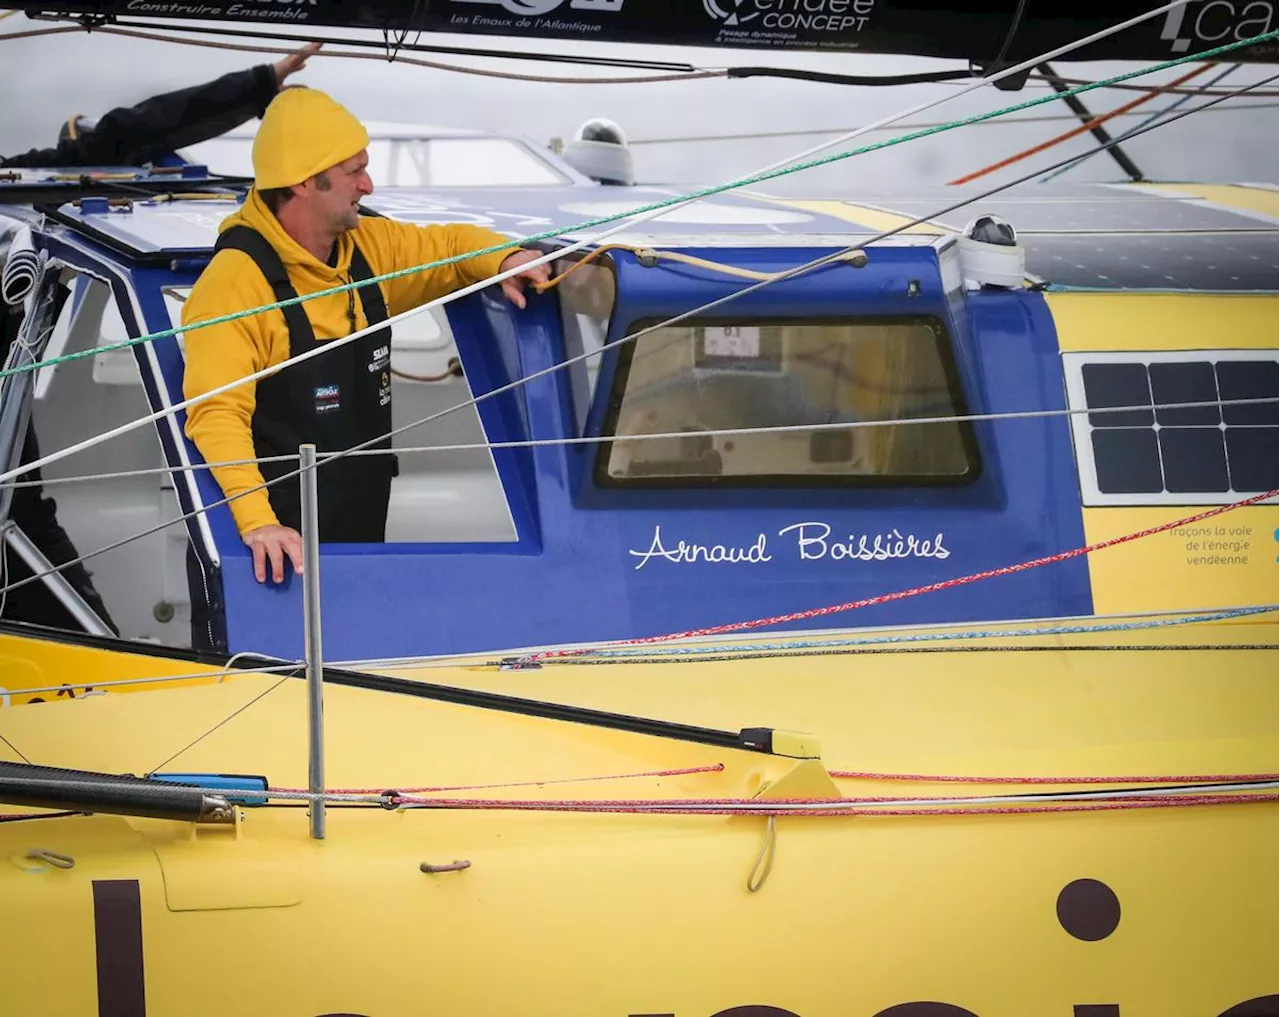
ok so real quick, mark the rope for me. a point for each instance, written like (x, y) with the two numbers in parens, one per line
(916, 778)
(471, 661)
(1177, 104)
(475, 400)
(650, 209)
(946, 584)
(225, 720)
(125, 682)
(835, 811)
(321, 349)
(1235, 793)
(16, 751)
(926, 637)
(432, 64)
(1170, 89)
(716, 768)
(32, 33)
(1083, 128)
(582, 59)
(922, 778)
(604, 439)
(1065, 117)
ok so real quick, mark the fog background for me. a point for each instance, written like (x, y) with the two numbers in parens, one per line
(44, 80)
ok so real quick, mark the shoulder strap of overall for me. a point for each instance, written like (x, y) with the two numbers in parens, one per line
(375, 308)
(254, 244)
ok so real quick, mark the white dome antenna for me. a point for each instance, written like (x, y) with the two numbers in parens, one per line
(990, 254)
(599, 150)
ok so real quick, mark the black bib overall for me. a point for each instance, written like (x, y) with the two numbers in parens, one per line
(335, 400)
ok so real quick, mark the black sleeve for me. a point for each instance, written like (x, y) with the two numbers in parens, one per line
(129, 136)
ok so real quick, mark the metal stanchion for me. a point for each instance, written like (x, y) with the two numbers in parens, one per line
(311, 635)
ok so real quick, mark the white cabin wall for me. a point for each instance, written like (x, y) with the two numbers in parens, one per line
(144, 581)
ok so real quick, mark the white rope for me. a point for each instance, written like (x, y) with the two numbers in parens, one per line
(124, 682)
(1002, 122)
(355, 450)
(603, 439)
(627, 223)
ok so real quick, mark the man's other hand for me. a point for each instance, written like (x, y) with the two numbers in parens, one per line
(295, 61)
(513, 288)
(274, 543)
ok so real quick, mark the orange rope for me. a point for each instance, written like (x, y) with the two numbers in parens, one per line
(1088, 126)
(418, 62)
(32, 33)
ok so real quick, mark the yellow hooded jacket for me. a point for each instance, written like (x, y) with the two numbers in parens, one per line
(220, 426)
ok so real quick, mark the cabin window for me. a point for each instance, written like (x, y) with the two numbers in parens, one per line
(1163, 451)
(685, 383)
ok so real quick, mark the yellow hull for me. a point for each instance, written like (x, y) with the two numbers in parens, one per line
(40, 670)
(996, 914)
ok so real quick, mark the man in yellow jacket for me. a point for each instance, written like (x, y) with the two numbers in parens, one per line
(300, 231)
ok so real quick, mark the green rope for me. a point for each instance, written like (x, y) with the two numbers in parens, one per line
(679, 199)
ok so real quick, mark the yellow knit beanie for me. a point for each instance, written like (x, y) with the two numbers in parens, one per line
(303, 132)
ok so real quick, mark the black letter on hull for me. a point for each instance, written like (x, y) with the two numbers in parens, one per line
(117, 936)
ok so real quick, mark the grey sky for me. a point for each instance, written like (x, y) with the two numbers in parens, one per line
(47, 79)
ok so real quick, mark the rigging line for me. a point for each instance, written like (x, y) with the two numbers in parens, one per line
(1008, 38)
(797, 646)
(1169, 89)
(15, 748)
(32, 33)
(559, 366)
(483, 658)
(885, 651)
(1003, 122)
(1177, 104)
(1194, 790)
(630, 219)
(568, 58)
(289, 670)
(225, 720)
(607, 439)
(1184, 791)
(1091, 124)
(692, 75)
(678, 72)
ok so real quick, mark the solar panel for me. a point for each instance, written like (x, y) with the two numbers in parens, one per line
(1170, 454)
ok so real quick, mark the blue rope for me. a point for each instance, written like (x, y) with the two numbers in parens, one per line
(1059, 630)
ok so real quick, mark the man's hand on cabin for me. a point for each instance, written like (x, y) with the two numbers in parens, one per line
(513, 288)
(274, 543)
(295, 61)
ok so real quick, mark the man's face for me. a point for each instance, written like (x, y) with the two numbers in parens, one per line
(335, 194)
